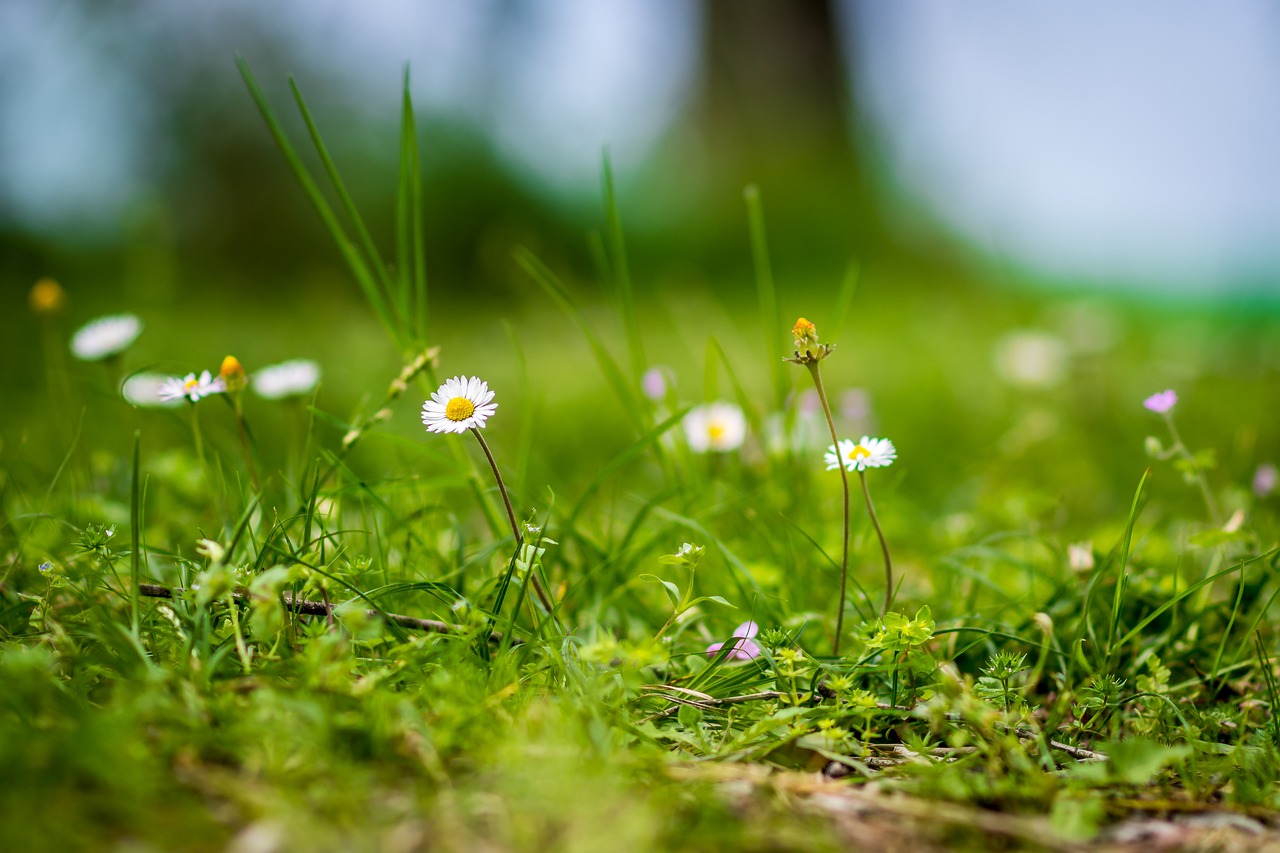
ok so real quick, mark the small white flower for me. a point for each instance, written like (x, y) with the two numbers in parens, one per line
(191, 387)
(1080, 556)
(287, 379)
(719, 427)
(1031, 359)
(860, 455)
(143, 389)
(460, 404)
(105, 337)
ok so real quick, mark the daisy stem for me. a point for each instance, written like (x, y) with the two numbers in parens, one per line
(195, 433)
(245, 444)
(884, 545)
(844, 482)
(511, 517)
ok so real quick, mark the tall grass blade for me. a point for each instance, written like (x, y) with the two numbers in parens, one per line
(765, 290)
(348, 251)
(411, 250)
(135, 528)
(621, 271)
(541, 274)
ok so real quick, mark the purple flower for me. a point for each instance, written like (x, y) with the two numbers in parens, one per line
(743, 647)
(1264, 481)
(1162, 402)
(654, 382)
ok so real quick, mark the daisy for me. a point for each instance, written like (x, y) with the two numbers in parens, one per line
(143, 389)
(863, 454)
(460, 404)
(720, 427)
(105, 337)
(1162, 402)
(287, 379)
(191, 387)
(744, 648)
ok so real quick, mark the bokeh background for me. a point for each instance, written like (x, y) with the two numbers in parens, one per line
(1053, 210)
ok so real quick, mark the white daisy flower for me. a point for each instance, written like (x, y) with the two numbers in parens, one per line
(458, 405)
(143, 389)
(860, 455)
(191, 387)
(286, 379)
(105, 337)
(719, 427)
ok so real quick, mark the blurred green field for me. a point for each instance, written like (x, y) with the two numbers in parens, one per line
(208, 721)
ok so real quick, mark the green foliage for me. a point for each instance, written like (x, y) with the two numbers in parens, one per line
(354, 653)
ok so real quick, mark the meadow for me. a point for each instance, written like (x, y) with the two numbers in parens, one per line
(617, 597)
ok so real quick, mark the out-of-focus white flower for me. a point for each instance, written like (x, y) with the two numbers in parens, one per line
(105, 337)
(192, 387)
(716, 427)
(1031, 359)
(862, 454)
(460, 404)
(143, 389)
(1080, 556)
(286, 379)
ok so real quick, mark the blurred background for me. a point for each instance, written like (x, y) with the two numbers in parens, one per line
(1054, 209)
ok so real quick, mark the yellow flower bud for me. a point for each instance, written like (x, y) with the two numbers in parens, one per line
(47, 297)
(232, 373)
(808, 348)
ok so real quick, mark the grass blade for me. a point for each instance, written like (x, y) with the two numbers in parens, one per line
(766, 291)
(358, 267)
(622, 273)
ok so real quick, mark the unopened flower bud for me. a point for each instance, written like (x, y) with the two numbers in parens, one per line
(808, 348)
(233, 375)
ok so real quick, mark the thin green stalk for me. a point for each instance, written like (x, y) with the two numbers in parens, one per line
(844, 482)
(884, 545)
(241, 648)
(135, 524)
(1215, 515)
(245, 444)
(511, 517)
(199, 440)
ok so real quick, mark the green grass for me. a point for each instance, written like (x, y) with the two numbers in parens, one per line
(1074, 636)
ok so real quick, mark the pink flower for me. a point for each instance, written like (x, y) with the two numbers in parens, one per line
(1162, 402)
(743, 647)
(1264, 481)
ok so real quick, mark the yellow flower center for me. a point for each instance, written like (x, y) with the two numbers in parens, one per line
(190, 384)
(715, 431)
(858, 452)
(459, 409)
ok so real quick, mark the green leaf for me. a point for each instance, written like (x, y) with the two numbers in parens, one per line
(672, 589)
(1137, 761)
